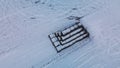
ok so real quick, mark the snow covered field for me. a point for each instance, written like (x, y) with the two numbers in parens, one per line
(25, 25)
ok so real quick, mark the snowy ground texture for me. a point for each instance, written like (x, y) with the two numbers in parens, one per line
(25, 25)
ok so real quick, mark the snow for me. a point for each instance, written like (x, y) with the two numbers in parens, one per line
(25, 26)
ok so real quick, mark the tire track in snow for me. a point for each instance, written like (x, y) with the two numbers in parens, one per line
(58, 57)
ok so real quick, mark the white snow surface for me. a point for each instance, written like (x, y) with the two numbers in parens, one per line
(26, 24)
